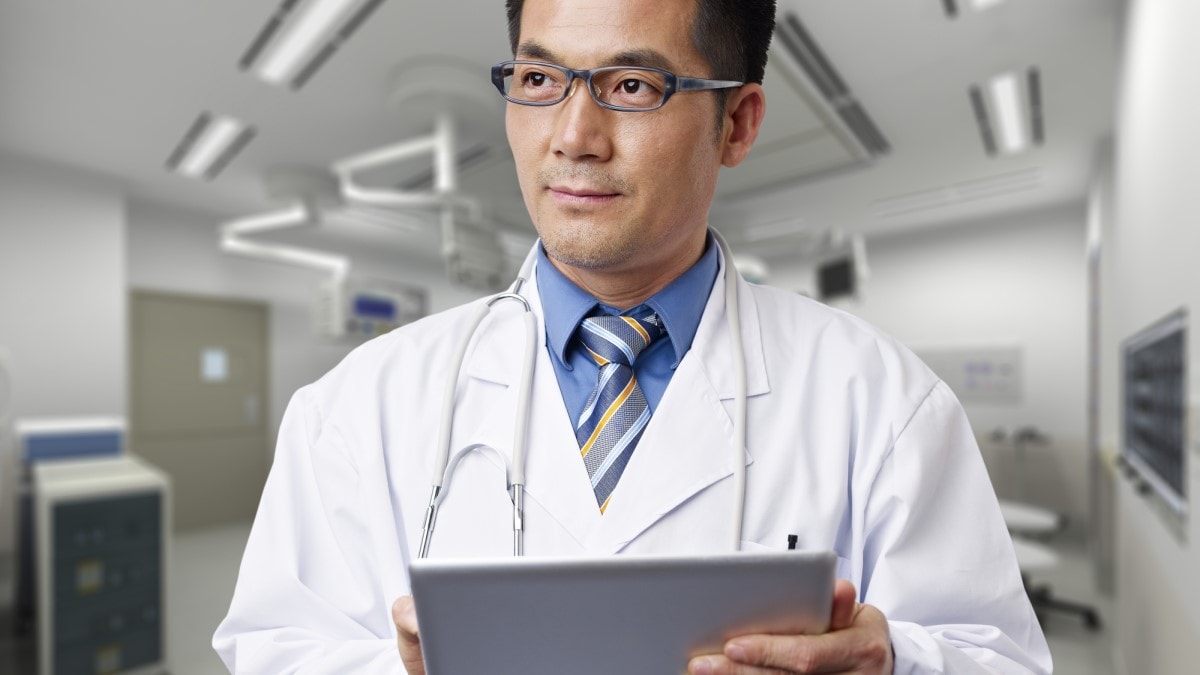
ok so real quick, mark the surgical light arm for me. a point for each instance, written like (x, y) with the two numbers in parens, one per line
(441, 144)
(233, 240)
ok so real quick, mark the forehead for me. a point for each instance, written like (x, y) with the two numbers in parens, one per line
(589, 33)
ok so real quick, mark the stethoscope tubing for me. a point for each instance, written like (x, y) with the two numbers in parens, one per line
(516, 475)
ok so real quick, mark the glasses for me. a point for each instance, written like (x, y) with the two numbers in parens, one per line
(623, 88)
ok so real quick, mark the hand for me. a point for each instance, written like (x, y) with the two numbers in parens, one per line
(857, 642)
(404, 615)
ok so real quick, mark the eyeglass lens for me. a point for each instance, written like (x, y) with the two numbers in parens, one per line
(621, 87)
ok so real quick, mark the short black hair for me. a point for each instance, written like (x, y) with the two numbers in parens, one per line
(731, 35)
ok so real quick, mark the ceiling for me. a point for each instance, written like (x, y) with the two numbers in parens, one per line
(111, 88)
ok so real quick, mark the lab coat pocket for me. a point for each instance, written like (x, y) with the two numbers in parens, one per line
(755, 547)
(844, 568)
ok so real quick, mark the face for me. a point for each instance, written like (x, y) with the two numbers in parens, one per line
(616, 191)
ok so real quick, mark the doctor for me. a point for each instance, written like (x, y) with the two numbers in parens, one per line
(853, 444)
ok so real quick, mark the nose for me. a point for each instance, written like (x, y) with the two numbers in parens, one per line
(583, 129)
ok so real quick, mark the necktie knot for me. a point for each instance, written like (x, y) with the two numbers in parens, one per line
(619, 339)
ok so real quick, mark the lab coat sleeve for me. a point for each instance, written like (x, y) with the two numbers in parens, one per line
(937, 557)
(308, 598)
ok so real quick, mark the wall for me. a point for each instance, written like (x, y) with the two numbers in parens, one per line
(1151, 269)
(1016, 280)
(175, 250)
(62, 297)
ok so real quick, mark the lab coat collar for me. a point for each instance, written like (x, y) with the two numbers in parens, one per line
(714, 348)
(686, 447)
(494, 361)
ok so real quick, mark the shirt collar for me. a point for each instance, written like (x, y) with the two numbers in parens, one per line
(679, 306)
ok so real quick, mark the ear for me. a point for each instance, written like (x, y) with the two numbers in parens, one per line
(744, 113)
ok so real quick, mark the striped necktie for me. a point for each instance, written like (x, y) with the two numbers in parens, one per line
(616, 412)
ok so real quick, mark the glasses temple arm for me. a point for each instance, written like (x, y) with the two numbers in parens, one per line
(699, 84)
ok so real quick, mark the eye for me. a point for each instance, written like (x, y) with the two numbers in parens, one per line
(637, 88)
(534, 79)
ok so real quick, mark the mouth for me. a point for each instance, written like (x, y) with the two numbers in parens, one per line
(581, 195)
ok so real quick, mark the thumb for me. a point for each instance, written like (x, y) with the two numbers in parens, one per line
(845, 600)
(408, 639)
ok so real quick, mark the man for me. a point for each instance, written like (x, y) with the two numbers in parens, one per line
(854, 445)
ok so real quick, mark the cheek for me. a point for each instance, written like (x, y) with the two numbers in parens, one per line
(652, 151)
(516, 134)
(678, 160)
(521, 135)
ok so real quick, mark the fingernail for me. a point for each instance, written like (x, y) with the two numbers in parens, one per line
(702, 665)
(736, 652)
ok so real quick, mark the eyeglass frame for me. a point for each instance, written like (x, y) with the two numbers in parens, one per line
(673, 83)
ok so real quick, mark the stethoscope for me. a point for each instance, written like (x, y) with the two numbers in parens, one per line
(516, 471)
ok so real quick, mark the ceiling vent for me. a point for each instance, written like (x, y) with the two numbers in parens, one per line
(954, 194)
(800, 46)
(814, 127)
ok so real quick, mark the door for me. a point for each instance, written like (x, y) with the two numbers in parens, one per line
(198, 401)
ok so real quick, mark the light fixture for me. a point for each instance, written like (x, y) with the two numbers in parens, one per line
(234, 232)
(951, 6)
(300, 36)
(209, 145)
(1006, 104)
(275, 220)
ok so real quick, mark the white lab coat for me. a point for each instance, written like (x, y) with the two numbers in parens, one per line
(854, 445)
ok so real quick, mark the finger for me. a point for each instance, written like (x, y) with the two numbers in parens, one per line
(845, 601)
(864, 646)
(408, 639)
(721, 665)
(795, 653)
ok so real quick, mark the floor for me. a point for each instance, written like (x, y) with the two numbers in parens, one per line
(204, 568)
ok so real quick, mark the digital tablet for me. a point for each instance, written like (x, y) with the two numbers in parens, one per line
(621, 614)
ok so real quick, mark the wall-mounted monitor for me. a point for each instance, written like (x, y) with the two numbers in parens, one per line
(1154, 408)
(836, 278)
(842, 274)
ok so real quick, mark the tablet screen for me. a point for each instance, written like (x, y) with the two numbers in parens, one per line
(620, 614)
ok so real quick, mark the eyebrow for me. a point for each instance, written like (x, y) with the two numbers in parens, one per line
(532, 49)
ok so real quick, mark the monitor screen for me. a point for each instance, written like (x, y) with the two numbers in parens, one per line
(1154, 406)
(836, 278)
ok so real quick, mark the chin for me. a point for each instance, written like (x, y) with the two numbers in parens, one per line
(587, 248)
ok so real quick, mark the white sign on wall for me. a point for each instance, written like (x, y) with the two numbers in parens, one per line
(978, 375)
(214, 364)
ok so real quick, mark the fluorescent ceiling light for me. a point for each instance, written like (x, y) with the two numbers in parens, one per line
(982, 5)
(1006, 97)
(307, 33)
(209, 145)
(215, 139)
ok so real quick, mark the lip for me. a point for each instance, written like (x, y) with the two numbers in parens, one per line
(581, 194)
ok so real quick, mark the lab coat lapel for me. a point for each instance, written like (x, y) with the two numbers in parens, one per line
(554, 473)
(688, 444)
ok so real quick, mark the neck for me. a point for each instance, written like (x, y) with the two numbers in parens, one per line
(626, 288)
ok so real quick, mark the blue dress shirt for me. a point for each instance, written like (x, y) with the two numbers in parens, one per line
(679, 306)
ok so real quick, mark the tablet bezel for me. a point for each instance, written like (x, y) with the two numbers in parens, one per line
(613, 614)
